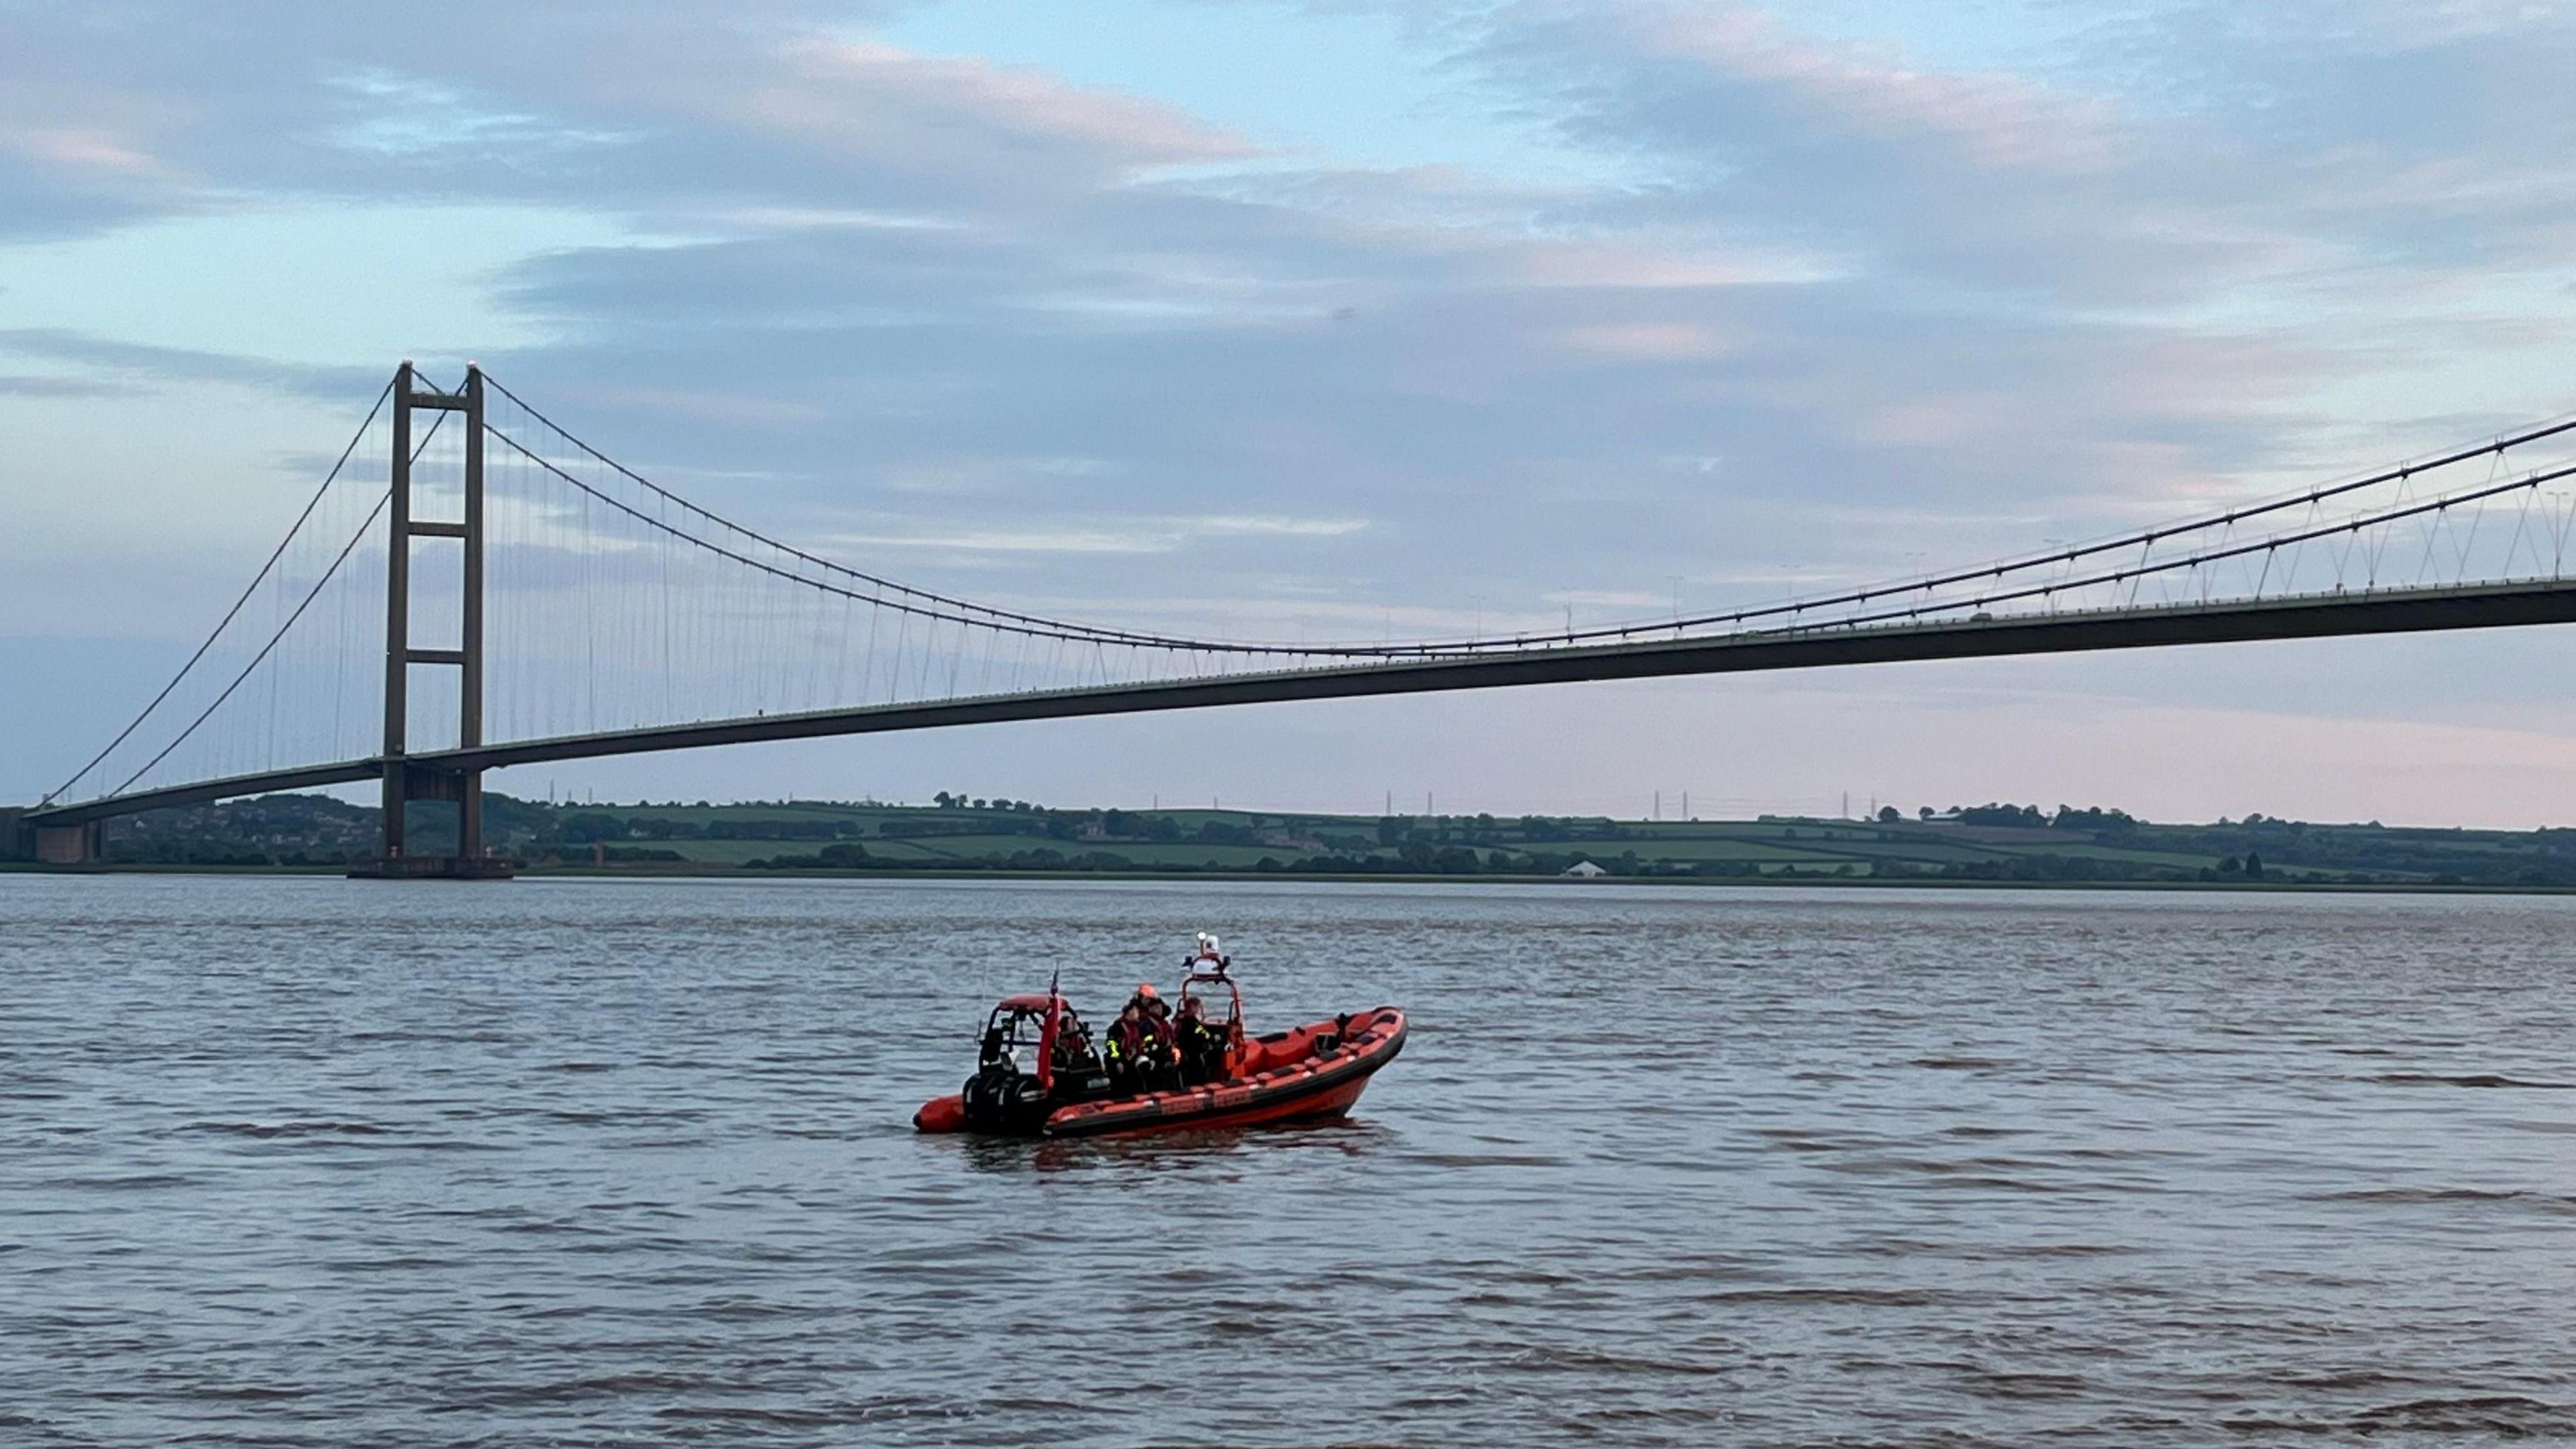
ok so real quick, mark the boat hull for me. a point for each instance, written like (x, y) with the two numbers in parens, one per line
(1314, 1072)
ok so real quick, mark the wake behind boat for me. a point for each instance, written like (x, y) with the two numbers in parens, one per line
(1041, 1072)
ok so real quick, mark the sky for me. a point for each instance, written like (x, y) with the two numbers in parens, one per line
(1336, 318)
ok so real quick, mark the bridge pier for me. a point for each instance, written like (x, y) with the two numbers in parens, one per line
(84, 844)
(404, 781)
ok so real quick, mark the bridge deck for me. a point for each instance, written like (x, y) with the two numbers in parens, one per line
(2385, 611)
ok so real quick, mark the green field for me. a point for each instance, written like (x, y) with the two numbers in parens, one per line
(1984, 844)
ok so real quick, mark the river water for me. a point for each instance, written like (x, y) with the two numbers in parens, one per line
(299, 1161)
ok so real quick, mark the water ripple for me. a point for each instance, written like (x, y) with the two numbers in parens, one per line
(605, 1163)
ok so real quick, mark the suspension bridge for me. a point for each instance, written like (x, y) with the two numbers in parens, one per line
(472, 587)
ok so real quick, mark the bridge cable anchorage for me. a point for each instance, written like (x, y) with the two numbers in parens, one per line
(234, 612)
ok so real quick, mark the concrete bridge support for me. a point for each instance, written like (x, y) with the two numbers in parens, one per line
(84, 844)
(21, 839)
(404, 781)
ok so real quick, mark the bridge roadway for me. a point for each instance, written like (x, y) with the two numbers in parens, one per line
(2310, 616)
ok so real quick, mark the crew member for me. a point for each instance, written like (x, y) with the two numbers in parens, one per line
(1140, 1050)
(1143, 1043)
(1072, 1046)
(1202, 1045)
(1120, 1049)
(1167, 1040)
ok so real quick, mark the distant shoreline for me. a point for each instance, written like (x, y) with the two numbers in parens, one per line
(958, 837)
(668, 871)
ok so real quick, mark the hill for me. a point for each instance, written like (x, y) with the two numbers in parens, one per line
(1990, 843)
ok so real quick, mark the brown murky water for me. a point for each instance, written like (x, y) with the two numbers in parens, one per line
(617, 1163)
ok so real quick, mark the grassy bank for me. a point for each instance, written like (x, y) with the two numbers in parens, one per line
(1986, 845)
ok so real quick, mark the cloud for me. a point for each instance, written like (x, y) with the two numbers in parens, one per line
(1672, 263)
(707, 404)
(1069, 541)
(2161, 155)
(79, 148)
(1648, 341)
(1275, 526)
(877, 103)
(403, 115)
(1138, 536)
(883, 270)
(72, 157)
(1998, 121)
(1002, 330)
(128, 360)
(24, 385)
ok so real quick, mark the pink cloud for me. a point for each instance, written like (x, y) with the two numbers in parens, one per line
(1649, 341)
(1551, 263)
(79, 148)
(879, 101)
(2002, 120)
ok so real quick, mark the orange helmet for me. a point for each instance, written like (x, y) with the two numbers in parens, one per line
(1145, 989)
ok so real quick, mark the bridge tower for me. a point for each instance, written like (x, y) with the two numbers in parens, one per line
(404, 781)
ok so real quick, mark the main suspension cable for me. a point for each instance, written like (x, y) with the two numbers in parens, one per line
(282, 630)
(1045, 627)
(230, 614)
(967, 606)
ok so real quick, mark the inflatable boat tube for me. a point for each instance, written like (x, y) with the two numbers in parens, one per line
(1314, 1071)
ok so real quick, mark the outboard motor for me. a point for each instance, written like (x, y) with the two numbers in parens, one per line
(1002, 1098)
(1034, 1058)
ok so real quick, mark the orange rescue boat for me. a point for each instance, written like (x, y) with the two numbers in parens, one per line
(1038, 1074)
